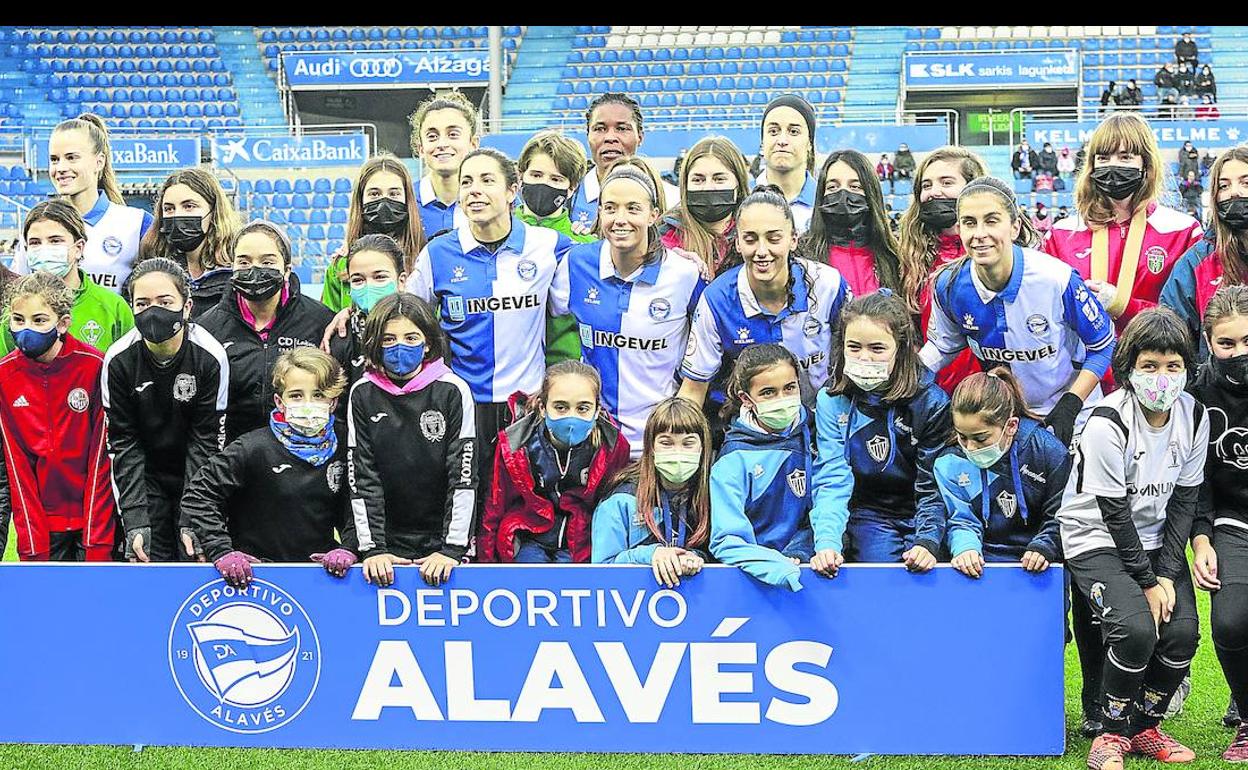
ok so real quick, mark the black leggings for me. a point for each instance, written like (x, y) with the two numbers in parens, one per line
(1229, 608)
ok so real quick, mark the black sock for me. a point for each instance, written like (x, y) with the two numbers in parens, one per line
(1091, 647)
(1235, 669)
(1160, 683)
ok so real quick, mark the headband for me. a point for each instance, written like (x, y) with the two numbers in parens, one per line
(638, 176)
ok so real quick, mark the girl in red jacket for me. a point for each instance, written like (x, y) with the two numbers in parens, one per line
(548, 469)
(52, 422)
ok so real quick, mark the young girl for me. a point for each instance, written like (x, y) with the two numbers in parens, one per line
(549, 468)
(759, 503)
(164, 387)
(375, 269)
(658, 512)
(1017, 306)
(713, 182)
(56, 239)
(412, 443)
(1125, 520)
(999, 486)
(880, 423)
(1220, 535)
(775, 296)
(1121, 240)
(850, 230)
(277, 493)
(383, 202)
(52, 428)
(80, 164)
(195, 227)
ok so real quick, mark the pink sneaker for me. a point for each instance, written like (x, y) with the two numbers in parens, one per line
(1161, 747)
(1238, 750)
(1107, 752)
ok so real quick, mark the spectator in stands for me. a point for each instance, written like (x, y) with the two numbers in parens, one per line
(758, 165)
(1189, 160)
(903, 162)
(550, 166)
(1206, 85)
(1185, 80)
(614, 129)
(1066, 163)
(195, 225)
(1185, 51)
(1167, 85)
(261, 316)
(1024, 161)
(884, 170)
(789, 148)
(1191, 189)
(1040, 218)
(1131, 95)
(444, 130)
(714, 180)
(80, 163)
(851, 231)
(382, 202)
(1109, 97)
(1046, 162)
(56, 237)
(1207, 110)
(1081, 157)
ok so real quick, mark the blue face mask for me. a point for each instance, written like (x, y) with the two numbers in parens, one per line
(401, 360)
(368, 295)
(35, 343)
(571, 430)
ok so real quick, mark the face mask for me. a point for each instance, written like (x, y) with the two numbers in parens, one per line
(1234, 368)
(988, 456)
(368, 295)
(49, 259)
(401, 360)
(158, 324)
(938, 214)
(542, 200)
(570, 430)
(35, 343)
(1117, 182)
(778, 413)
(257, 283)
(308, 418)
(384, 215)
(183, 233)
(1233, 212)
(1158, 392)
(844, 211)
(709, 206)
(867, 375)
(1042, 215)
(676, 466)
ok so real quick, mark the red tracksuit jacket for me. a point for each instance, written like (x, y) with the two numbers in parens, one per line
(52, 419)
(965, 364)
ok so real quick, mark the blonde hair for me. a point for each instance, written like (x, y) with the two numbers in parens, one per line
(1120, 131)
(97, 132)
(328, 372)
(567, 154)
(45, 286)
(695, 236)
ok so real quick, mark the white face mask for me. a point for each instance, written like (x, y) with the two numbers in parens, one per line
(53, 258)
(308, 418)
(867, 375)
(1158, 391)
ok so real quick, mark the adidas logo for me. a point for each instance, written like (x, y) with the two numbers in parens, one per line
(21, 401)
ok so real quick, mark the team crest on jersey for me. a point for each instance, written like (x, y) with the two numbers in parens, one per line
(1038, 325)
(797, 482)
(184, 387)
(78, 400)
(527, 269)
(1008, 504)
(877, 447)
(1156, 259)
(433, 425)
(333, 476)
(455, 308)
(112, 245)
(812, 326)
(459, 274)
(660, 309)
(91, 332)
(964, 480)
(968, 323)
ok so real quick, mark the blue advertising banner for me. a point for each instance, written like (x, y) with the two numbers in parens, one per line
(350, 149)
(142, 154)
(339, 70)
(577, 658)
(962, 70)
(1171, 134)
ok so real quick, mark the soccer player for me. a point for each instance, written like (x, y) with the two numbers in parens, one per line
(444, 132)
(788, 145)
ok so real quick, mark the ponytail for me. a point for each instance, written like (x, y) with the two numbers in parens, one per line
(97, 132)
(995, 396)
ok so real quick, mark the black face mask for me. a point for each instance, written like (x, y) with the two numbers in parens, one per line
(938, 214)
(1118, 182)
(845, 212)
(384, 215)
(1233, 212)
(257, 283)
(542, 200)
(710, 206)
(1234, 368)
(158, 324)
(183, 233)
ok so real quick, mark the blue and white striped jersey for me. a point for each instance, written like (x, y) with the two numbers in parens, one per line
(1045, 325)
(633, 329)
(436, 216)
(492, 306)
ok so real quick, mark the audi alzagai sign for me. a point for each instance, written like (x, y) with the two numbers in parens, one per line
(316, 70)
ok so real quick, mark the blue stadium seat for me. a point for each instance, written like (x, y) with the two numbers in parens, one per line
(320, 200)
(342, 185)
(338, 216)
(298, 216)
(318, 216)
(282, 186)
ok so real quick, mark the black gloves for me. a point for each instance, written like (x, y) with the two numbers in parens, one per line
(1061, 420)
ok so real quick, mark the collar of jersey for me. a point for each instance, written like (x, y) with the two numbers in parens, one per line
(589, 188)
(648, 273)
(514, 242)
(1010, 292)
(428, 197)
(749, 303)
(806, 196)
(97, 211)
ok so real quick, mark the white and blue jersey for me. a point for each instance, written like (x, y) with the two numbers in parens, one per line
(729, 319)
(803, 206)
(584, 207)
(633, 329)
(1045, 325)
(113, 235)
(492, 306)
(436, 216)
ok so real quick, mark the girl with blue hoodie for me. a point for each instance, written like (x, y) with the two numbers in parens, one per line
(881, 421)
(760, 510)
(998, 487)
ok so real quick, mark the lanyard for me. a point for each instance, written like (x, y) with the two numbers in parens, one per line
(676, 529)
(1130, 258)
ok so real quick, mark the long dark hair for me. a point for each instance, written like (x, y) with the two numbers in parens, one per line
(411, 236)
(752, 361)
(771, 195)
(888, 311)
